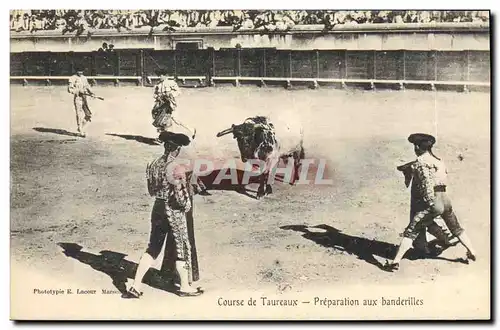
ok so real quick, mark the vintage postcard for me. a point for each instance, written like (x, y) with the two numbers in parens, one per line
(250, 164)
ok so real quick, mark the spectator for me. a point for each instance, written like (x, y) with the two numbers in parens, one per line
(340, 17)
(193, 18)
(313, 18)
(297, 16)
(98, 19)
(265, 20)
(60, 24)
(164, 17)
(352, 17)
(424, 17)
(437, 17)
(398, 17)
(484, 15)
(211, 18)
(243, 19)
(18, 23)
(329, 20)
(81, 23)
(142, 18)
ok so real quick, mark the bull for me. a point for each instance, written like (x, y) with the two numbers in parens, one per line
(257, 140)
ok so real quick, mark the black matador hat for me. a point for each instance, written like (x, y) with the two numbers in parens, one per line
(419, 138)
(162, 72)
(79, 67)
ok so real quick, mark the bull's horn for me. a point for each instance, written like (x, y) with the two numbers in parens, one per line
(226, 131)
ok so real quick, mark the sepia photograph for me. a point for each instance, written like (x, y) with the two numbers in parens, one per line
(244, 164)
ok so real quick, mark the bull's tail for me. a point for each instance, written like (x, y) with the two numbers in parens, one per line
(301, 144)
(298, 154)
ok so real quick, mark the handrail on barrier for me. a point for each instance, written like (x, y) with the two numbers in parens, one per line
(353, 80)
(116, 79)
(183, 79)
(67, 77)
(287, 80)
(180, 77)
(102, 77)
(94, 79)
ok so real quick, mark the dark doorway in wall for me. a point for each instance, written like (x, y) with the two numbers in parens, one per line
(187, 46)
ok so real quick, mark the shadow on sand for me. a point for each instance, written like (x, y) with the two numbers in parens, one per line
(55, 131)
(117, 268)
(364, 249)
(138, 138)
(212, 182)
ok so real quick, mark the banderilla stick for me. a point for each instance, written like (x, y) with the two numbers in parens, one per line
(180, 124)
(95, 96)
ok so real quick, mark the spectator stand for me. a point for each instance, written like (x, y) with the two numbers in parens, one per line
(204, 66)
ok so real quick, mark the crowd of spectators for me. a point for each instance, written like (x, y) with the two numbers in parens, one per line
(269, 20)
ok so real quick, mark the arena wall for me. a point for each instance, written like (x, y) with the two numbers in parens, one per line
(429, 54)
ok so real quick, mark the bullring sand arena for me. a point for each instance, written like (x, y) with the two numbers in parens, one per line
(323, 241)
